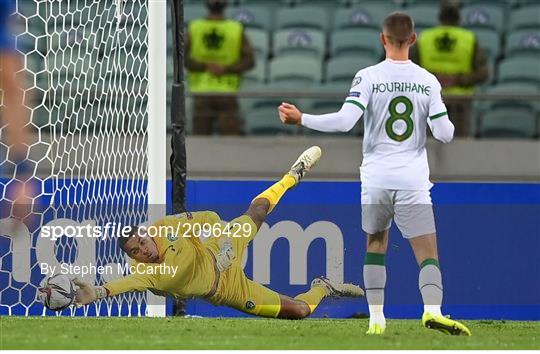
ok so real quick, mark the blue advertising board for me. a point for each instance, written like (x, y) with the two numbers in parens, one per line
(488, 236)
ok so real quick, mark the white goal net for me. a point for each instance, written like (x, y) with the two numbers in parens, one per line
(86, 82)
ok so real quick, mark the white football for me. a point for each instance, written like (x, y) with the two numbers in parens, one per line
(57, 292)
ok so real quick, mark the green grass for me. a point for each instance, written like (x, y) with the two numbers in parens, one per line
(182, 333)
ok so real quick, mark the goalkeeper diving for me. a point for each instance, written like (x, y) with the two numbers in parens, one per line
(213, 270)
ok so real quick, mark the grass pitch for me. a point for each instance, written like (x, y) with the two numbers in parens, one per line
(247, 333)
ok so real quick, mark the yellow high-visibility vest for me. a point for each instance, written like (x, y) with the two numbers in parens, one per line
(448, 50)
(220, 42)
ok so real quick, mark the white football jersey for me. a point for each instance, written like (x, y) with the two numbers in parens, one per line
(398, 98)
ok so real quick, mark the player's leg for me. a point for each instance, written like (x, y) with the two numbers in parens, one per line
(247, 225)
(414, 217)
(377, 212)
(264, 203)
(268, 303)
(375, 279)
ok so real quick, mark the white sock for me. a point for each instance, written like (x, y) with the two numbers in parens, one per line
(433, 309)
(431, 288)
(376, 315)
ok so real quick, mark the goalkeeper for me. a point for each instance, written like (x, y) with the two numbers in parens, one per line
(213, 270)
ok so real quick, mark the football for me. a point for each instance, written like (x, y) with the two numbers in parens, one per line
(57, 292)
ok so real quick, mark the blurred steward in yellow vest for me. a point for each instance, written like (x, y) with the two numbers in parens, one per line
(217, 53)
(453, 55)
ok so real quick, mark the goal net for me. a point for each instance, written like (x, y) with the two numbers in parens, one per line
(86, 77)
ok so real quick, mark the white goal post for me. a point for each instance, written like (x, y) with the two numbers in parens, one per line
(157, 133)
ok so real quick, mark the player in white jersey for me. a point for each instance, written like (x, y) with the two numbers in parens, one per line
(398, 100)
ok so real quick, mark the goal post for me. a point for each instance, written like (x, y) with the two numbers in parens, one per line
(157, 127)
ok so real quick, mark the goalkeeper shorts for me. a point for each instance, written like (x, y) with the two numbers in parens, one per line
(235, 289)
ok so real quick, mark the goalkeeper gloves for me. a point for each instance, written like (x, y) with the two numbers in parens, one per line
(87, 293)
(226, 255)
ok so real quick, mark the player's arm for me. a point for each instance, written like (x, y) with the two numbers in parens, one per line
(438, 121)
(87, 293)
(341, 121)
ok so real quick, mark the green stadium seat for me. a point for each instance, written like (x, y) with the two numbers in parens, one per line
(424, 16)
(527, 17)
(193, 12)
(300, 41)
(520, 69)
(260, 41)
(256, 76)
(362, 16)
(252, 16)
(322, 3)
(362, 42)
(302, 17)
(295, 72)
(523, 42)
(343, 69)
(489, 41)
(524, 2)
(266, 3)
(510, 89)
(265, 121)
(508, 123)
(501, 3)
(484, 16)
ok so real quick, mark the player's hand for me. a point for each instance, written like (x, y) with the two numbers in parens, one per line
(226, 255)
(86, 293)
(215, 69)
(289, 114)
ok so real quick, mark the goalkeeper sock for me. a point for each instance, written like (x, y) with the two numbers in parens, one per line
(277, 190)
(430, 284)
(313, 297)
(375, 281)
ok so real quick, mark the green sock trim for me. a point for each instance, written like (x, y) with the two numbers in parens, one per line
(430, 261)
(374, 258)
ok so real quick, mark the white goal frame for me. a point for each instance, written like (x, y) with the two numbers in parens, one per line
(157, 127)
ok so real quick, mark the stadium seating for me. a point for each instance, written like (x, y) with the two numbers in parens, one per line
(424, 16)
(362, 16)
(267, 3)
(252, 16)
(265, 121)
(360, 42)
(523, 42)
(508, 123)
(300, 41)
(489, 41)
(342, 69)
(302, 17)
(487, 108)
(297, 44)
(260, 42)
(296, 72)
(520, 69)
(256, 77)
(322, 3)
(527, 17)
(483, 16)
(194, 11)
